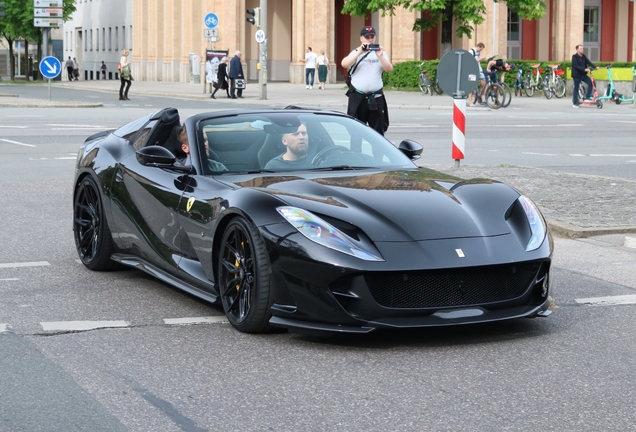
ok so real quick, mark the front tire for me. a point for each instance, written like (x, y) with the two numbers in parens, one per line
(559, 88)
(93, 240)
(244, 278)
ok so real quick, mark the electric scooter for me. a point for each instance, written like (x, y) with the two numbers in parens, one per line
(611, 93)
(595, 101)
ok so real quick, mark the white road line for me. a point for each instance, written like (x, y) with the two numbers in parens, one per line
(195, 320)
(608, 301)
(4, 328)
(81, 325)
(25, 264)
(76, 125)
(66, 158)
(13, 127)
(612, 155)
(576, 154)
(17, 143)
(630, 242)
(622, 121)
(9, 279)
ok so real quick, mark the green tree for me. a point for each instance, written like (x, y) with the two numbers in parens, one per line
(464, 13)
(17, 24)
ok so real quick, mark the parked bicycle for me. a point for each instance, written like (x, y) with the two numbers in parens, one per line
(553, 84)
(426, 83)
(519, 83)
(534, 81)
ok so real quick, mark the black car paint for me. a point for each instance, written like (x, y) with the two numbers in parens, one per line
(147, 210)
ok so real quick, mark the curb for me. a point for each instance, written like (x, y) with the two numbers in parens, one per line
(50, 104)
(563, 229)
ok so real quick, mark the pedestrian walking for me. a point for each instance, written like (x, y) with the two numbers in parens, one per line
(104, 69)
(221, 80)
(366, 99)
(236, 73)
(310, 67)
(69, 68)
(323, 62)
(75, 69)
(579, 73)
(124, 75)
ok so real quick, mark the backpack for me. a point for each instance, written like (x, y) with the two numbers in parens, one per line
(352, 69)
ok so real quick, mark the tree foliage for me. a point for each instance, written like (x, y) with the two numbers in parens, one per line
(464, 13)
(17, 24)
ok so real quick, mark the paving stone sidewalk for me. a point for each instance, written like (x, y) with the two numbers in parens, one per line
(575, 205)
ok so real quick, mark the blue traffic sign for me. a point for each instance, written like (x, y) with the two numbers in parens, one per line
(50, 67)
(211, 20)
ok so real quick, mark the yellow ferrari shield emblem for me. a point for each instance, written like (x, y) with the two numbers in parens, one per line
(190, 202)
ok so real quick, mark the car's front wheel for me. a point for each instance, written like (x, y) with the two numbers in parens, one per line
(93, 240)
(244, 282)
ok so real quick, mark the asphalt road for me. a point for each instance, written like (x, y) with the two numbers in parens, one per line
(571, 371)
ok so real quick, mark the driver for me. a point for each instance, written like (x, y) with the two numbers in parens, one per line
(297, 146)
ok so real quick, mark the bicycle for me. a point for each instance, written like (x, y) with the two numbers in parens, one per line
(553, 84)
(493, 95)
(519, 83)
(535, 80)
(424, 80)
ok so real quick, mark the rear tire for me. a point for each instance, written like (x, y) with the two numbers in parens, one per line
(244, 278)
(559, 88)
(507, 94)
(599, 104)
(421, 82)
(495, 96)
(529, 88)
(93, 240)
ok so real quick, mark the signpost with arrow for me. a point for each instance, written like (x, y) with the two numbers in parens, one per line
(50, 67)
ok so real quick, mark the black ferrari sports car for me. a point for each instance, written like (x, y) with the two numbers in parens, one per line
(307, 220)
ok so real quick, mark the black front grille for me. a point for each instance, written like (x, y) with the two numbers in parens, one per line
(451, 287)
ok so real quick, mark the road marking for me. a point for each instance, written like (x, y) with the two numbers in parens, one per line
(9, 279)
(576, 154)
(76, 125)
(195, 320)
(66, 158)
(17, 143)
(622, 121)
(630, 242)
(4, 328)
(608, 301)
(13, 127)
(81, 325)
(612, 155)
(25, 264)
(540, 154)
(415, 126)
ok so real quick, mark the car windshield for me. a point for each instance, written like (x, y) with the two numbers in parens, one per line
(293, 141)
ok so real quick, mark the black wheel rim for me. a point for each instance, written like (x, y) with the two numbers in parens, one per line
(237, 274)
(87, 221)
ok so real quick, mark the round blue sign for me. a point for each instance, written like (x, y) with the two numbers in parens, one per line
(211, 20)
(50, 67)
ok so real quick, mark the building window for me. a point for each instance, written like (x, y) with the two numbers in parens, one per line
(97, 40)
(116, 38)
(104, 39)
(123, 37)
(514, 35)
(592, 30)
(110, 38)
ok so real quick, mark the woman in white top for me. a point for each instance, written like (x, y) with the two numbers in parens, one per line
(124, 75)
(322, 61)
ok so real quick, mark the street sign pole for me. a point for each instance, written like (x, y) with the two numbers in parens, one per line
(262, 77)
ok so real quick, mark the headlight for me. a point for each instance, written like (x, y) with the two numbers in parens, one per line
(325, 234)
(536, 222)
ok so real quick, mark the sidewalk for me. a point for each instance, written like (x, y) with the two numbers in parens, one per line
(575, 205)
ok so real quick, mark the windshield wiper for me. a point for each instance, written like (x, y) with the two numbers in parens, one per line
(342, 168)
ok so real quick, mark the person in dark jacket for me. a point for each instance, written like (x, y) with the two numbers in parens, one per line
(222, 78)
(236, 72)
(579, 73)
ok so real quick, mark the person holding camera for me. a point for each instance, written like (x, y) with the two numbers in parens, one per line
(366, 99)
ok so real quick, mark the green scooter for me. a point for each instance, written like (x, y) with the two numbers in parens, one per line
(611, 93)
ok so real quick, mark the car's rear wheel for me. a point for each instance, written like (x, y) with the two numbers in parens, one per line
(93, 240)
(244, 282)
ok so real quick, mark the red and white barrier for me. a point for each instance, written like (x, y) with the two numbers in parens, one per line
(459, 129)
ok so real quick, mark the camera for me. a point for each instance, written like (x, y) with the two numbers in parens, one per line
(372, 47)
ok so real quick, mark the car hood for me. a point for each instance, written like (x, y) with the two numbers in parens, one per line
(410, 205)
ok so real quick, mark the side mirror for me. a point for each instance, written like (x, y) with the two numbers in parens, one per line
(155, 156)
(411, 149)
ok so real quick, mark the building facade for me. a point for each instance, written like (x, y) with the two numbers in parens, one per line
(164, 35)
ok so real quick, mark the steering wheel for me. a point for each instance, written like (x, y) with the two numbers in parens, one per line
(322, 154)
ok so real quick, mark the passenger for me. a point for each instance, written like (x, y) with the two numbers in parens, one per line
(182, 136)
